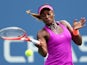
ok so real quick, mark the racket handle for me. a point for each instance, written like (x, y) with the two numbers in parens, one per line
(34, 41)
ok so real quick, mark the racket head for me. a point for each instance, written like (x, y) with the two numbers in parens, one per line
(12, 33)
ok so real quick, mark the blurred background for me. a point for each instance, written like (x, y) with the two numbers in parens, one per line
(12, 13)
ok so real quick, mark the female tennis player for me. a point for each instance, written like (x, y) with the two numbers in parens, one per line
(55, 38)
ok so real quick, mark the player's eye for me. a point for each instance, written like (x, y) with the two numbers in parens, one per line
(48, 13)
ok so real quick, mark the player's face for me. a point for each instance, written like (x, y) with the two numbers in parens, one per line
(47, 17)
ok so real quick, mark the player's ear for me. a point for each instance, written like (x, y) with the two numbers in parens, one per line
(37, 16)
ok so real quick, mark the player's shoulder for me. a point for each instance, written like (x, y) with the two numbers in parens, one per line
(64, 22)
(42, 32)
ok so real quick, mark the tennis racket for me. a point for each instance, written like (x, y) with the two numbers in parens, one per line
(16, 33)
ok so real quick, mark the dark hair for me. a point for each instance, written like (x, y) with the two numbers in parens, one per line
(44, 10)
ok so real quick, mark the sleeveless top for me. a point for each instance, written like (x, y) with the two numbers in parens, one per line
(59, 47)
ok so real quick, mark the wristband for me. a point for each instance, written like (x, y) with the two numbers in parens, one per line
(75, 32)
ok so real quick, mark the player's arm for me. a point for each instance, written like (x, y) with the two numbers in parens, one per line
(76, 38)
(42, 47)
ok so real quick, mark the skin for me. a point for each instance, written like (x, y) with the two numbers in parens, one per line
(48, 18)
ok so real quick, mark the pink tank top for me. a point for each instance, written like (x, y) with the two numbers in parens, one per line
(59, 47)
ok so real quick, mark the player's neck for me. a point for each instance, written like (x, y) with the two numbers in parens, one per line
(53, 25)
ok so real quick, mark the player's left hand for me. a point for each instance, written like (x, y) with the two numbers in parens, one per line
(80, 24)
